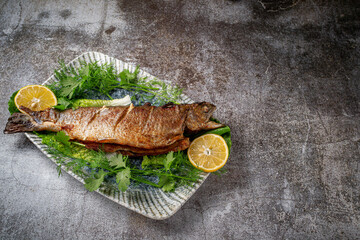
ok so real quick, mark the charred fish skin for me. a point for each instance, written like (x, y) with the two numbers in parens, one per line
(141, 127)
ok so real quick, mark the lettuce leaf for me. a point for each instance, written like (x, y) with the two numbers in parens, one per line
(12, 107)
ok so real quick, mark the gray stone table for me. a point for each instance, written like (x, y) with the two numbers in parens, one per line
(284, 75)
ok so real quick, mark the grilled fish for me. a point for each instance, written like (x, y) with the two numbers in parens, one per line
(134, 131)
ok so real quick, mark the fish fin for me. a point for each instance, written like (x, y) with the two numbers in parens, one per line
(20, 122)
(213, 125)
(168, 105)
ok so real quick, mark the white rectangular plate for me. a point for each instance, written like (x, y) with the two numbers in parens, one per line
(146, 200)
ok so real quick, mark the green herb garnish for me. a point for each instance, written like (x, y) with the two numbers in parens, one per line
(94, 182)
(177, 171)
(92, 78)
(73, 89)
(12, 107)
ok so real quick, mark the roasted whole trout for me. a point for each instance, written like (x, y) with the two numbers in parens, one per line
(133, 131)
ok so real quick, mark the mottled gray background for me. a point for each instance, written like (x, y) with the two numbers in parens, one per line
(283, 74)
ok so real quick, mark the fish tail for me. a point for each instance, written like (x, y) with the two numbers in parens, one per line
(20, 122)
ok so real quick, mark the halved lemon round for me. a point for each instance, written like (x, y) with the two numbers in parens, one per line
(208, 152)
(35, 97)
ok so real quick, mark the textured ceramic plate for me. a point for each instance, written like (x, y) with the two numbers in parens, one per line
(146, 200)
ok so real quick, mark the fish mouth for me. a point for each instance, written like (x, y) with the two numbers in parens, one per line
(208, 109)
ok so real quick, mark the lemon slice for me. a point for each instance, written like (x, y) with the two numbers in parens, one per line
(35, 97)
(208, 152)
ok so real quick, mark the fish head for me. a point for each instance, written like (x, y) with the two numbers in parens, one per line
(204, 111)
(199, 117)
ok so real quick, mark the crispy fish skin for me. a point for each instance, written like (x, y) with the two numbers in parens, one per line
(142, 127)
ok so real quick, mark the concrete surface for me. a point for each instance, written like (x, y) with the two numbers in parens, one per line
(283, 74)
